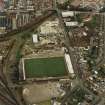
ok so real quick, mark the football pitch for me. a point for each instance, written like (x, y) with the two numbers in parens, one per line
(45, 67)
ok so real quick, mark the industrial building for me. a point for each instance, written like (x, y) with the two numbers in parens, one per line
(22, 18)
(5, 22)
(61, 1)
(71, 24)
(30, 5)
(21, 12)
(43, 5)
(35, 38)
(67, 14)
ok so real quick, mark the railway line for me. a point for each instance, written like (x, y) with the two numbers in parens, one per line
(4, 83)
(4, 86)
(12, 100)
(5, 91)
(7, 99)
(34, 23)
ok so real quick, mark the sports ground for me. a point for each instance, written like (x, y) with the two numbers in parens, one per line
(45, 67)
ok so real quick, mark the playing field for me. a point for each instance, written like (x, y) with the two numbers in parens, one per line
(45, 67)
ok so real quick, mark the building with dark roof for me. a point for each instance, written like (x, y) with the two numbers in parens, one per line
(5, 22)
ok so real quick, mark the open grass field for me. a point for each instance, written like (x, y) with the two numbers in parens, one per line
(45, 103)
(45, 67)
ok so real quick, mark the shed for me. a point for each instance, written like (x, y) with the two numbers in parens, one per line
(71, 24)
(1, 58)
(67, 14)
(35, 38)
(69, 64)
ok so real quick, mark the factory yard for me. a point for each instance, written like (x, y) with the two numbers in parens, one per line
(41, 92)
(45, 67)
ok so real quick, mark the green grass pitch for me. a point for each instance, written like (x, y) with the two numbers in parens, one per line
(45, 67)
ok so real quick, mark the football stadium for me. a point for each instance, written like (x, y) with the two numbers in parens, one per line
(44, 67)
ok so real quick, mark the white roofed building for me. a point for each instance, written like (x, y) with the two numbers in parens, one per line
(1, 58)
(35, 38)
(69, 65)
(71, 24)
(67, 14)
(61, 1)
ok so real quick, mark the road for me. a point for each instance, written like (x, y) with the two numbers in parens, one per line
(72, 51)
(11, 58)
(80, 84)
(101, 59)
(75, 57)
